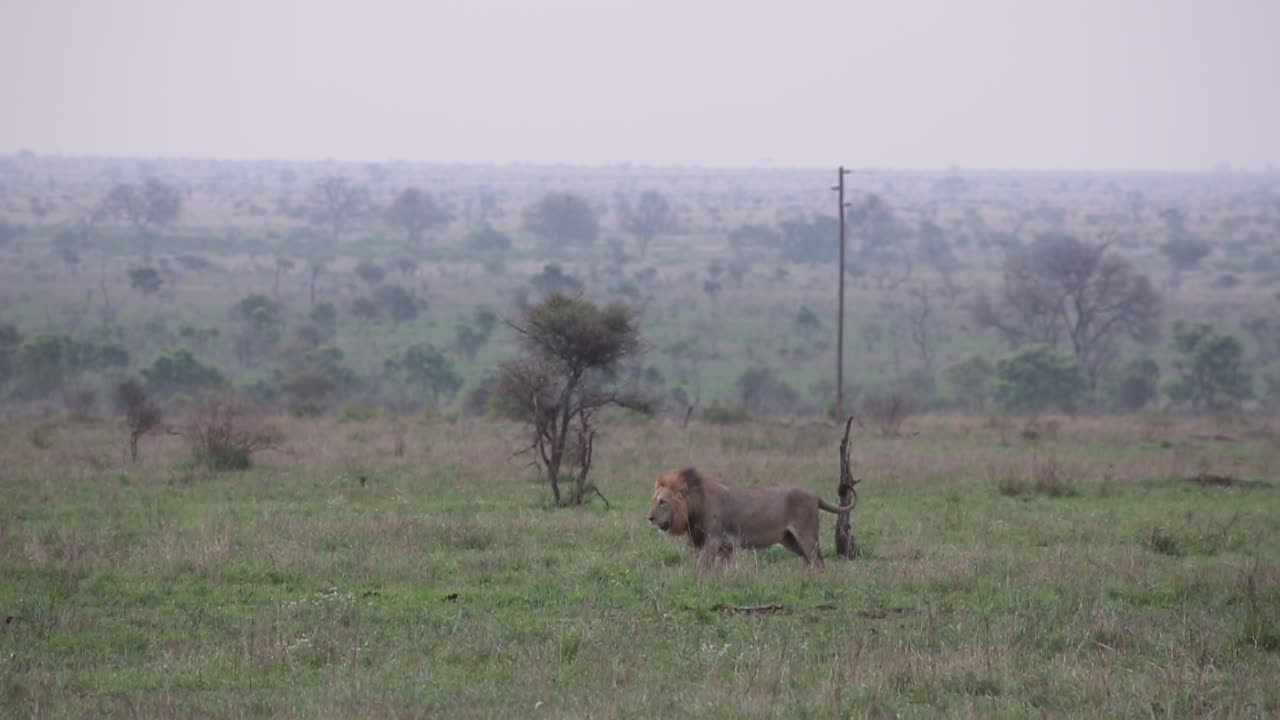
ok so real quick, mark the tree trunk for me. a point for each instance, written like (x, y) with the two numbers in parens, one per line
(554, 476)
(846, 546)
(895, 339)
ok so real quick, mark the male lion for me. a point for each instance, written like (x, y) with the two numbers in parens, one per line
(718, 518)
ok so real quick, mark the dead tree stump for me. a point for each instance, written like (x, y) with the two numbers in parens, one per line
(846, 546)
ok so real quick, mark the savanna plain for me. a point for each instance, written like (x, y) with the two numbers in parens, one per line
(411, 567)
(1066, 389)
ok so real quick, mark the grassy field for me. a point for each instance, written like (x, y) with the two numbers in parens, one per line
(411, 568)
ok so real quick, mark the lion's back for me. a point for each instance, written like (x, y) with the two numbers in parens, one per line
(760, 514)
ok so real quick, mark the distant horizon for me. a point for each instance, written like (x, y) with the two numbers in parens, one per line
(956, 169)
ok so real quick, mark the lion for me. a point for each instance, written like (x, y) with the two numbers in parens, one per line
(718, 518)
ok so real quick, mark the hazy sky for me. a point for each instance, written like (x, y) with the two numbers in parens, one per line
(1100, 84)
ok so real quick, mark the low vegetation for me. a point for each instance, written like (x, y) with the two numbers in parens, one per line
(376, 566)
(351, 401)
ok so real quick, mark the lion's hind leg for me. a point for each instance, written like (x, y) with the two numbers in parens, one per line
(805, 547)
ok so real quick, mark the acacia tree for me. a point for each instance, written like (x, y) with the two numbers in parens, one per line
(884, 254)
(553, 279)
(470, 337)
(261, 321)
(398, 304)
(1065, 291)
(1210, 373)
(651, 216)
(417, 211)
(370, 272)
(152, 203)
(423, 366)
(561, 219)
(567, 372)
(1184, 254)
(145, 280)
(884, 259)
(1184, 250)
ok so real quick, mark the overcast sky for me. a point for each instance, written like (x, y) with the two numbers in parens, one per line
(1082, 84)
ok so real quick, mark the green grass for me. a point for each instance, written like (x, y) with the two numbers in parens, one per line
(336, 579)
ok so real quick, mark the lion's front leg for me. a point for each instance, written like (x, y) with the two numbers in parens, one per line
(705, 555)
(725, 553)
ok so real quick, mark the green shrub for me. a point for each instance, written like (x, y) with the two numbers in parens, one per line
(718, 414)
(356, 412)
(1036, 378)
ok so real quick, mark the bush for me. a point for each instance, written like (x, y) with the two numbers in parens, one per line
(1132, 387)
(718, 414)
(764, 392)
(476, 402)
(1037, 379)
(888, 410)
(1211, 377)
(180, 372)
(224, 433)
(970, 383)
(81, 403)
(428, 370)
(1049, 479)
(357, 413)
(921, 388)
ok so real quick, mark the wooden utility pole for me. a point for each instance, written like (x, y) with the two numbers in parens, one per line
(839, 188)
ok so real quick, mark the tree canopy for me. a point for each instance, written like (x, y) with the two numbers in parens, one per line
(152, 203)
(1062, 291)
(562, 219)
(1210, 374)
(571, 349)
(416, 211)
(1035, 378)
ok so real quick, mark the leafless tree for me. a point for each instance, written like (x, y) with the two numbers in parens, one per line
(155, 202)
(315, 268)
(224, 431)
(1061, 290)
(920, 316)
(336, 205)
(888, 411)
(846, 545)
(885, 253)
(140, 414)
(283, 264)
(651, 216)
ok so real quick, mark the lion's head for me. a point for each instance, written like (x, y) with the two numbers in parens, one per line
(676, 497)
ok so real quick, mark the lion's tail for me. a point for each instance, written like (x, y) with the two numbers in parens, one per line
(837, 509)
